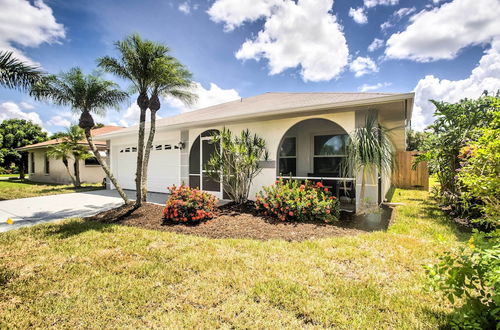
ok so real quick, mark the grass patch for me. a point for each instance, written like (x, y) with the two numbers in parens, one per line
(75, 273)
(17, 188)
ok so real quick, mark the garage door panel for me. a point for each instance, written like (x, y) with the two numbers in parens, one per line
(163, 169)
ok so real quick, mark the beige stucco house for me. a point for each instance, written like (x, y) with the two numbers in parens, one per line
(44, 169)
(304, 133)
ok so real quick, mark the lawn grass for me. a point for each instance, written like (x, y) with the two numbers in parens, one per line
(17, 188)
(93, 275)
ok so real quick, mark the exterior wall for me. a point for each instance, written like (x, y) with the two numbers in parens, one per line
(272, 132)
(58, 172)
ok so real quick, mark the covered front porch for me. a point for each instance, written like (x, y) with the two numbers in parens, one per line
(315, 150)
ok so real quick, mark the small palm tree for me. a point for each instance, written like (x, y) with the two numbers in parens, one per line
(62, 151)
(369, 149)
(16, 74)
(85, 94)
(73, 137)
(152, 72)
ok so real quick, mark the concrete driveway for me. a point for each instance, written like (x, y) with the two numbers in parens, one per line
(34, 210)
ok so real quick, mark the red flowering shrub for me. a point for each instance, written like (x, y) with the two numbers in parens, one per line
(290, 200)
(186, 205)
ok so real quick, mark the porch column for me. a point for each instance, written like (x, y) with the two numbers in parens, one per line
(184, 170)
(371, 178)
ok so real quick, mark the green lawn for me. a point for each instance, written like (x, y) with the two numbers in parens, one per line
(9, 175)
(82, 274)
(17, 188)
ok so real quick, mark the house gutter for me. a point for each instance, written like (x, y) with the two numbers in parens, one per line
(235, 118)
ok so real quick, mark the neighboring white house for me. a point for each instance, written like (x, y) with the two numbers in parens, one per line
(304, 133)
(44, 169)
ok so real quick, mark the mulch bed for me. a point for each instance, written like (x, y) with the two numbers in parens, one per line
(232, 221)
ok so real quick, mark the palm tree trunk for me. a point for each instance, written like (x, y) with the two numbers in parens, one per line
(363, 187)
(77, 172)
(65, 162)
(104, 166)
(147, 153)
(140, 158)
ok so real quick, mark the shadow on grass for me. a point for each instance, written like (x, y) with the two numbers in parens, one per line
(76, 227)
(430, 209)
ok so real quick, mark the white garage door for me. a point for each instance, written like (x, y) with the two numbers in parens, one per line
(163, 170)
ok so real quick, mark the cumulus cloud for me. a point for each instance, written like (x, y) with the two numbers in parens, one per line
(27, 24)
(11, 110)
(363, 65)
(184, 8)
(59, 121)
(358, 15)
(397, 16)
(206, 97)
(485, 76)
(373, 3)
(369, 88)
(441, 32)
(376, 44)
(289, 37)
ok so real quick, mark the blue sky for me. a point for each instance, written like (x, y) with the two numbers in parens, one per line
(443, 49)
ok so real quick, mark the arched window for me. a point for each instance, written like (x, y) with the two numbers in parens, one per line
(199, 155)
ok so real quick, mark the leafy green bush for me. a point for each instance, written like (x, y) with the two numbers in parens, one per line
(290, 200)
(186, 205)
(480, 172)
(472, 274)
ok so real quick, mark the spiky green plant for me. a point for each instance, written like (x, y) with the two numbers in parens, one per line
(16, 74)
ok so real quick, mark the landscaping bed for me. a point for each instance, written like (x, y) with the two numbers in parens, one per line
(231, 221)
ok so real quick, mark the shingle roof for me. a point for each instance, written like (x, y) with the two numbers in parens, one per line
(94, 132)
(268, 104)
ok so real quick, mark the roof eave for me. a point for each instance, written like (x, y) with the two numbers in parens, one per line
(319, 107)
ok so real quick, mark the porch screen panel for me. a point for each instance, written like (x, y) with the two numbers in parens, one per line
(288, 157)
(329, 152)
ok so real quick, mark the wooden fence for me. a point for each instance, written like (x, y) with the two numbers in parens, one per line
(403, 175)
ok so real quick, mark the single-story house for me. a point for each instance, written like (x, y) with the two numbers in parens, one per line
(41, 168)
(304, 133)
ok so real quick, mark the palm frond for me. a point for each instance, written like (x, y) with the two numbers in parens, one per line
(16, 74)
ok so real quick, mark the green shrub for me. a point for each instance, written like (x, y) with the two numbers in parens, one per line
(473, 275)
(290, 200)
(187, 205)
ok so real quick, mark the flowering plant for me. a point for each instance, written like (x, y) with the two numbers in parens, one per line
(290, 200)
(186, 204)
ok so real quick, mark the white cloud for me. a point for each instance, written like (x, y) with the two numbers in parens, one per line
(27, 25)
(184, 8)
(386, 25)
(373, 3)
(10, 110)
(402, 12)
(59, 121)
(485, 76)
(397, 16)
(363, 65)
(376, 44)
(368, 88)
(26, 106)
(441, 32)
(206, 97)
(358, 15)
(302, 33)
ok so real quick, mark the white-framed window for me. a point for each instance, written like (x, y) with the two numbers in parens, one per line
(329, 150)
(288, 156)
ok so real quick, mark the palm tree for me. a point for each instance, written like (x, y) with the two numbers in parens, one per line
(153, 73)
(62, 151)
(85, 94)
(16, 74)
(369, 149)
(73, 137)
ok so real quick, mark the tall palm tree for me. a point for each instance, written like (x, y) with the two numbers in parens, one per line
(152, 72)
(85, 94)
(16, 74)
(369, 149)
(62, 151)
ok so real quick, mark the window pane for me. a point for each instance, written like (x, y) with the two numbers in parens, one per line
(210, 184)
(288, 147)
(194, 158)
(91, 161)
(330, 144)
(194, 181)
(327, 166)
(288, 166)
